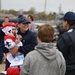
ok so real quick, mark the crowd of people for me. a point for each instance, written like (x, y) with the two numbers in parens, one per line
(29, 53)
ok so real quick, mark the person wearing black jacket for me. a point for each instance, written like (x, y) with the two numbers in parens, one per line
(66, 42)
(3, 49)
(1, 44)
(29, 39)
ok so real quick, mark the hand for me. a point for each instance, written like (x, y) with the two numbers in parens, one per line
(17, 41)
(20, 37)
(14, 51)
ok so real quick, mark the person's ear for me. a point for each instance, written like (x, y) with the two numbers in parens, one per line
(19, 25)
(28, 25)
(38, 39)
(67, 24)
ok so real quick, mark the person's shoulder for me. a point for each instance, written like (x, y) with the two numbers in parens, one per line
(59, 53)
(64, 35)
(60, 58)
(32, 23)
(64, 38)
(32, 33)
(32, 54)
(3, 23)
(68, 33)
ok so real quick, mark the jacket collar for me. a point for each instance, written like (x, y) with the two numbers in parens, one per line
(19, 32)
(72, 27)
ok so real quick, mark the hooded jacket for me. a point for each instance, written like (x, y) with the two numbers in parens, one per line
(44, 60)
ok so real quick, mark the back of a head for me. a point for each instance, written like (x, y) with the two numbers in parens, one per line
(46, 33)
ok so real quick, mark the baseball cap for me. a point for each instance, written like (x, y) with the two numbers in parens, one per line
(20, 16)
(22, 19)
(69, 16)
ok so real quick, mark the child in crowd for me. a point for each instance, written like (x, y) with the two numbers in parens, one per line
(6, 20)
(46, 59)
(11, 39)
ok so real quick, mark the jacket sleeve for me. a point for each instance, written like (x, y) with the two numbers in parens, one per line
(5, 50)
(2, 46)
(27, 48)
(26, 66)
(63, 44)
(63, 65)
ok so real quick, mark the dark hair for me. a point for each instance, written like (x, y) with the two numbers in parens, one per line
(31, 17)
(46, 33)
(6, 17)
(71, 22)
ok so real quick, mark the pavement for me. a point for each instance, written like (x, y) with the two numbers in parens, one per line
(2, 67)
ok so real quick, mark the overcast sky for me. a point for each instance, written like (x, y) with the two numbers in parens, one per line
(52, 5)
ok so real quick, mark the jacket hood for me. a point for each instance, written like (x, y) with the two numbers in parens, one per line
(48, 50)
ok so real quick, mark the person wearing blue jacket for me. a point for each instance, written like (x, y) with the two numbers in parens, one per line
(29, 39)
(66, 42)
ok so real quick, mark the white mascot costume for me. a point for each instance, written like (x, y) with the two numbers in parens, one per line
(9, 40)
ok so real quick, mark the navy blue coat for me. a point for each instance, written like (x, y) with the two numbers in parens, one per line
(29, 40)
(66, 44)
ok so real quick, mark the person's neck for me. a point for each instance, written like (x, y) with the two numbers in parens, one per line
(24, 31)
